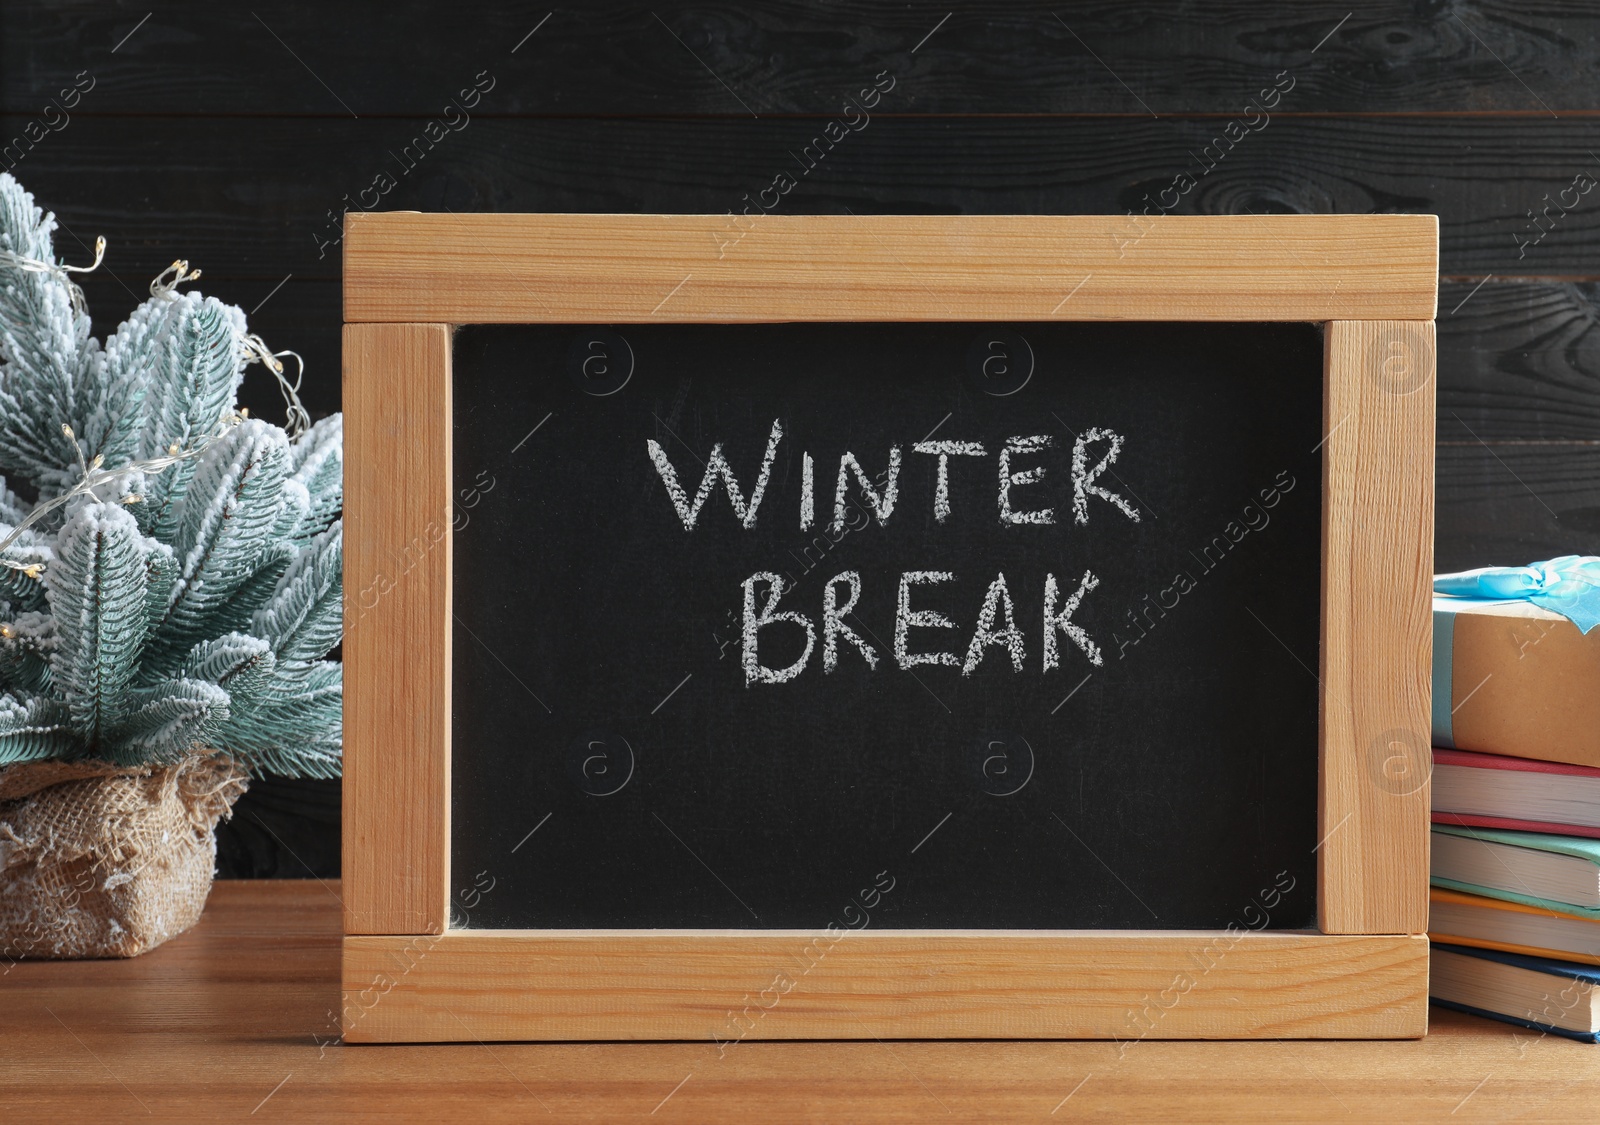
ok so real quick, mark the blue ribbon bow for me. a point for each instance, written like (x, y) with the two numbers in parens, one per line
(1569, 586)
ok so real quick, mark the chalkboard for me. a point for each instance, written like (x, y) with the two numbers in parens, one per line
(1120, 522)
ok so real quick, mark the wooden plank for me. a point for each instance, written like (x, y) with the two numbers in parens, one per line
(989, 57)
(1514, 504)
(240, 1015)
(665, 268)
(397, 638)
(1377, 519)
(1519, 361)
(721, 987)
(256, 194)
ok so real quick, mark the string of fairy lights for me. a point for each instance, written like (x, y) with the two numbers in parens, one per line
(92, 472)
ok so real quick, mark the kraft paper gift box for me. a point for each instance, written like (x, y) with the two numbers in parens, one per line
(1510, 677)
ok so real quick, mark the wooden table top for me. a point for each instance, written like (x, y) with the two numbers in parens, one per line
(236, 1020)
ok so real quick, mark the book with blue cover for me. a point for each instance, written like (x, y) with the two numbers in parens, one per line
(1560, 997)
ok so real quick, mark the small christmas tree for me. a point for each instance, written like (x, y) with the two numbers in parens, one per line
(173, 581)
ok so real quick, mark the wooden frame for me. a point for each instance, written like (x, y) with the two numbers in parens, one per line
(408, 278)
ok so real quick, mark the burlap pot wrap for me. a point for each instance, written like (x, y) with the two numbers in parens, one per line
(98, 860)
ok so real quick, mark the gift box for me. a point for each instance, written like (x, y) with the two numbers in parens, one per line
(1516, 667)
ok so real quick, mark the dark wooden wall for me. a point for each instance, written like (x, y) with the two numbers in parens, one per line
(235, 138)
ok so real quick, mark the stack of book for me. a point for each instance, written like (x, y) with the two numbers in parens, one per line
(1515, 911)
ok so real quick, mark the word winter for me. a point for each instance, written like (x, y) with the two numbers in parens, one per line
(884, 496)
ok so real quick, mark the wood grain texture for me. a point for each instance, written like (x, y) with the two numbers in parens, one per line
(397, 638)
(1512, 504)
(257, 198)
(780, 56)
(1519, 361)
(716, 986)
(586, 269)
(237, 1020)
(1377, 518)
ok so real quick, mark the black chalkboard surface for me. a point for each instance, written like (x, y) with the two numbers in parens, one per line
(643, 737)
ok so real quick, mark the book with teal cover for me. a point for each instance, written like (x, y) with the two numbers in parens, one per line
(1587, 974)
(1578, 846)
